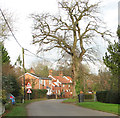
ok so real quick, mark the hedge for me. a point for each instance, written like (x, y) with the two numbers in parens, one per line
(88, 96)
(36, 93)
(108, 97)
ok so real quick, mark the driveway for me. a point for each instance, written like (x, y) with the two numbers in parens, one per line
(56, 108)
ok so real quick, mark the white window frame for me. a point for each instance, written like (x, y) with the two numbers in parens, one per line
(41, 81)
(49, 81)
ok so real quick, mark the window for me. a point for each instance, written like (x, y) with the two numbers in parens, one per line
(68, 85)
(41, 81)
(63, 85)
(49, 81)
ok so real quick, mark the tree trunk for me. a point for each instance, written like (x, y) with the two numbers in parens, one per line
(75, 73)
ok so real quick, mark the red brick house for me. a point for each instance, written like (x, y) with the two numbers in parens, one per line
(61, 84)
(36, 81)
(58, 85)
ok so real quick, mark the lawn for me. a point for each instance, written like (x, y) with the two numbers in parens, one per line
(19, 109)
(70, 101)
(106, 107)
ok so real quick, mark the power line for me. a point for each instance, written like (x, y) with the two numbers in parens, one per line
(17, 40)
(10, 28)
(38, 56)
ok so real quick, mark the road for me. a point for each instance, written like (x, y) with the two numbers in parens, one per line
(56, 108)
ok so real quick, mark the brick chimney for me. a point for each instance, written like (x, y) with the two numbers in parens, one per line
(50, 72)
(32, 71)
(61, 74)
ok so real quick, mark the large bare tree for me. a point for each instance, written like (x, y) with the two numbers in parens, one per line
(4, 30)
(74, 30)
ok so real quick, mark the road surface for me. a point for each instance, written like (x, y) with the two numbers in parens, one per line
(56, 108)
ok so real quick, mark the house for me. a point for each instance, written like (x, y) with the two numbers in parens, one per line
(36, 81)
(61, 85)
(57, 85)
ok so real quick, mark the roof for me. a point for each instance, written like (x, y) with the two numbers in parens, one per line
(52, 77)
(68, 78)
(62, 79)
(36, 76)
(54, 84)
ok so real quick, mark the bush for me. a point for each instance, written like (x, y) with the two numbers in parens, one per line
(51, 96)
(88, 96)
(8, 106)
(37, 93)
(4, 101)
(101, 96)
(108, 96)
(113, 97)
(18, 99)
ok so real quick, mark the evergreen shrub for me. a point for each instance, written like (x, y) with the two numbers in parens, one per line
(37, 93)
(108, 96)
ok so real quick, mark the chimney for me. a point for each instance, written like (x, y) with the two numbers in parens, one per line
(61, 74)
(32, 71)
(50, 72)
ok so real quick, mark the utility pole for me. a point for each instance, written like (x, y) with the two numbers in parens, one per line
(24, 75)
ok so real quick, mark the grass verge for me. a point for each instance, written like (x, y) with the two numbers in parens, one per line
(106, 107)
(70, 101)
(19, 109)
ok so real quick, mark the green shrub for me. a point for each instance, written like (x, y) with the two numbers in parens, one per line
(8, 106)
(88, 96)
(18, 99)
(113, 97)
(108, 96)
(37, 93)
(101, 96)
(4, 101)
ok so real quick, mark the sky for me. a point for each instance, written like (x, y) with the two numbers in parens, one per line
(21, 10)
(119, 13)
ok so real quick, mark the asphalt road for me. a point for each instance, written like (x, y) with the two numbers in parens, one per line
(56, 108)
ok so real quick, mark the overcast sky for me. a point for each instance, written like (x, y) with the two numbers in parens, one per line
(119, 13)
(21, 10)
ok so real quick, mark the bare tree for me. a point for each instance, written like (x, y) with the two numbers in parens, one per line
(40, 69)
(4, 30)
(74, 30)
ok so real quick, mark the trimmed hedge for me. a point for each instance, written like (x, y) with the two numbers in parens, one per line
(36, 93)
(108, 97)
(88, 96)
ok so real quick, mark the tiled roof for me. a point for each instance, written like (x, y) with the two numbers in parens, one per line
(61, 79)
(45, 78)
(69, 78)
(37, 76)
(54, 84)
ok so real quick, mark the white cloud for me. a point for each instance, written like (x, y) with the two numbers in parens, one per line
(22, 9)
